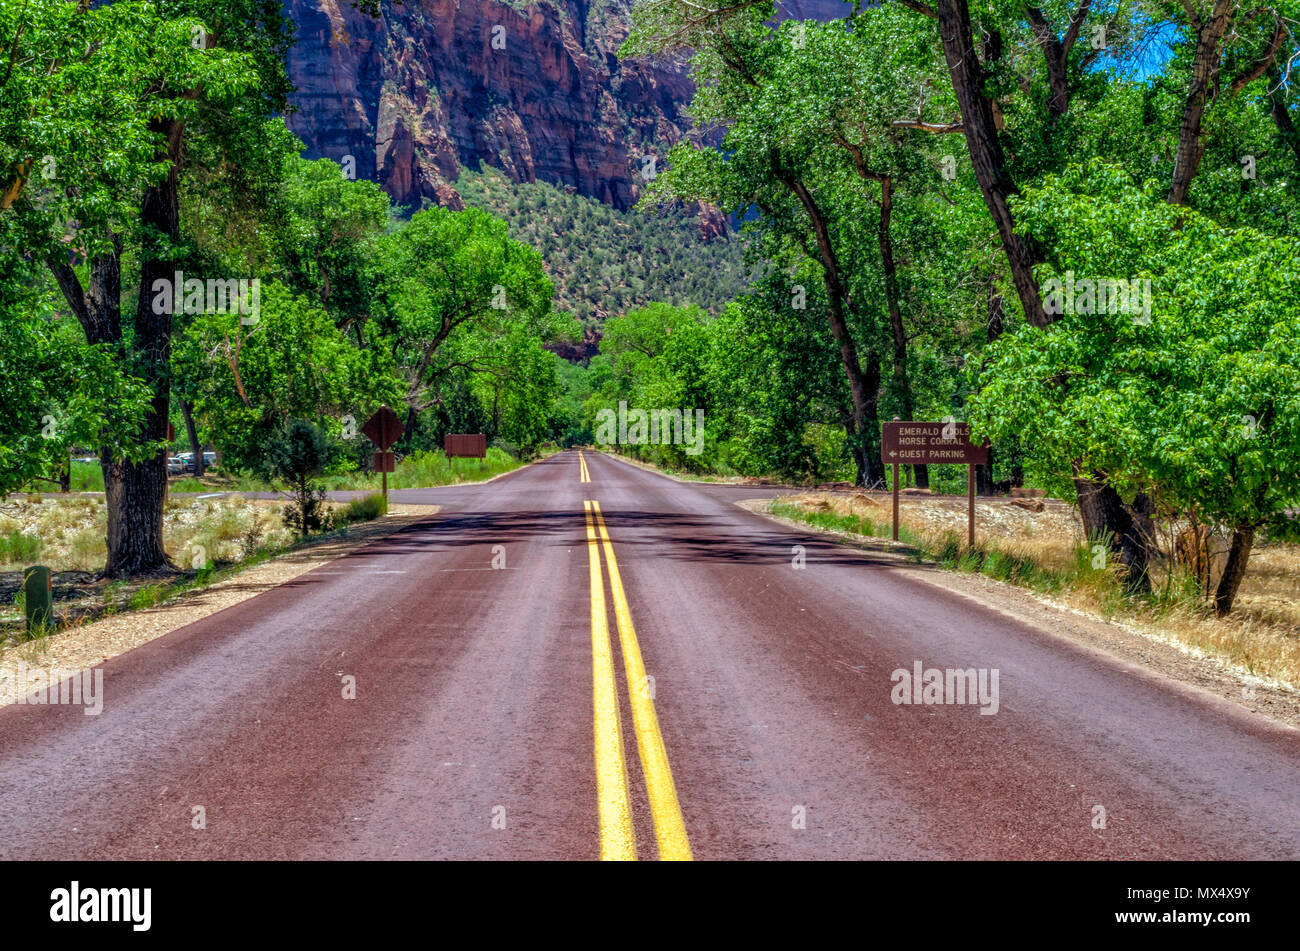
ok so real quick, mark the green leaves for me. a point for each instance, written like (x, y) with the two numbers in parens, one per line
(1202, 403)
(293, 363)
(454, 282)
(57, 391)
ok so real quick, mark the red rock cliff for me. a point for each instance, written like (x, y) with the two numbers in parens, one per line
(532, 87)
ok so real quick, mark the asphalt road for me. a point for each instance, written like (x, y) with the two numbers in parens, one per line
(697, 694)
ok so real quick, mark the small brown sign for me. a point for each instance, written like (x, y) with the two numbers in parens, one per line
(910, 443)
(471, 445)
(385, 462)
(383, 429)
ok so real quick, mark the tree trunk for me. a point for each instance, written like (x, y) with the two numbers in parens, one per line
(1205, 68)
(1125, 530)
(984, 483)
(65, 474)
(1281, 115)
(192, 431)
(873, 475)
(1243, 538)
(864, 396)
(1056, 53)
(408, 434)
(984, 477)
(857, 447)
(135, 491)
(902, 382)
(987, 159)
(1193, 552)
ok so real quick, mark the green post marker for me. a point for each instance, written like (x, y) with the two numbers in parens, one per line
(38, 597)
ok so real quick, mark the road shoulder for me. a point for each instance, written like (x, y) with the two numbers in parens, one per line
(1144, 653)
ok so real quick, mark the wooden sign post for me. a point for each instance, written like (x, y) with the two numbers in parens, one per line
(939, 443)
(383, 429)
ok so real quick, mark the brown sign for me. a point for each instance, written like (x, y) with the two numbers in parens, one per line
(472, 445)
(912, 443)
(385, 462)
(383, 429)
(909, 443)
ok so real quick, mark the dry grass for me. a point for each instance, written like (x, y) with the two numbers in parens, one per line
(67, 535)
(69, 530)
(201, 536)
(222, 530)
(1047, 551)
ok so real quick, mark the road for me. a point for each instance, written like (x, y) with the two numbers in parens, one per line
(697, 694)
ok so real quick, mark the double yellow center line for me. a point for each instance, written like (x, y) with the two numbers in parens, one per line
(617, 835)
(584, 475)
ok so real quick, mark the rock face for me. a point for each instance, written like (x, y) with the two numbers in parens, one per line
(532, 87)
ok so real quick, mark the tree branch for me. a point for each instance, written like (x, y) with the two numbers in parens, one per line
(1262, 64)
(922, 8)
(938, 128)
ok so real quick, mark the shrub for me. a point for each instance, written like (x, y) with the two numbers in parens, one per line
(298, 454)
(307, 512)
(365, 509)
(251, 540)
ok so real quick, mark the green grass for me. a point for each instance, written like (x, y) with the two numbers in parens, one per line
(950, 552)
(424, 469)
(19, 549)
(417, 471)
(855, 524)
(87, 477)
(365, 509)
(191, 484)
(149, 595)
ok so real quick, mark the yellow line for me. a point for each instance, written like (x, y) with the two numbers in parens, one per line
(617, 838)
(670, 826)
(583, 474)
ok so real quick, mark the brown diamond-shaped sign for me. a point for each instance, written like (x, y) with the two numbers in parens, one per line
(384, 428)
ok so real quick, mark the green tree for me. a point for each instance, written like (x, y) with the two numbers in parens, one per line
(298, 453)
(250, 381)
(57, 390)
(458, 297)
(1195, 402)
(165, 84)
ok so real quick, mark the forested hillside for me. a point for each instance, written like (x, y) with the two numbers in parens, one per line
(606, 262)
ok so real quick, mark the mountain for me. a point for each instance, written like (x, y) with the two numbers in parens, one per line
(532, 87)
